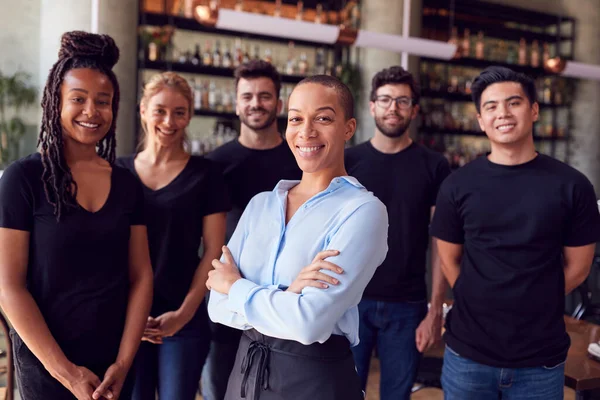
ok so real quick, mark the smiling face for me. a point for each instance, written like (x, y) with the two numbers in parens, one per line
(393, 121)
(317, 128)
(506, 115)
(86, 105)
(166, 115)
(257, 103)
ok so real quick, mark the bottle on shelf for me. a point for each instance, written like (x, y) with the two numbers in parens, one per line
(268, 55)
(238, 56)
(545, 53)
(277, 11)
(204, 89)
(239, 5)
(246, 55)
(320, 61)
(535, 54)
(197, 86)
(212, 95)
(217, 58)
(303, 64)
(319, 14)
(522, 52)
(207, 58)
(196, 58)
(466, 43)
(290, 65)
(300, 10)
(480, 46)
(256, 55)
(227, 58)
(355, 16)
(454, 36)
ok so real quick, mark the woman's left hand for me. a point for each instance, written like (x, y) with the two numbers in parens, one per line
(224, 275)
(111, 386)
(170, 323)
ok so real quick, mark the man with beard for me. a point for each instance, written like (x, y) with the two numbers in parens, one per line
(405, 177)
(253, 163)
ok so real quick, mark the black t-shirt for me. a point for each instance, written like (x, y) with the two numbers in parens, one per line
(77, 270)
(174, 216)
(248, 172)
(513, 222)
(407, 183)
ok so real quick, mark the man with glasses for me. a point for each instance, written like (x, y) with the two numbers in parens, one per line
(405, 177)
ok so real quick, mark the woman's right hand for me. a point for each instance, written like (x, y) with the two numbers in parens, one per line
(82, 382)
(152, 331)
(312, 275)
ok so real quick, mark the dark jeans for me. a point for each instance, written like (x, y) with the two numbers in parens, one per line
(35, 383)
(463, 379)
(173, 368)
(221, 357)
(391, 327)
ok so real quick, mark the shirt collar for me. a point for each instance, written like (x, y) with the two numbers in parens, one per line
(337, 182)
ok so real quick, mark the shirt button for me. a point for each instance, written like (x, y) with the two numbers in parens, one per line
(337, 181)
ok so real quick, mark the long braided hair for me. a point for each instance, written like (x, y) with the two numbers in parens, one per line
(77, 50)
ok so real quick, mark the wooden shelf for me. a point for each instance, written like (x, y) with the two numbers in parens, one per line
(457, 132)
(204, 70)
(466, 98)
(492, 30)
(482, 64)
(189, 24)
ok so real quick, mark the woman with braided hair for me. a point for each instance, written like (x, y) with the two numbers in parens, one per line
(75, 274)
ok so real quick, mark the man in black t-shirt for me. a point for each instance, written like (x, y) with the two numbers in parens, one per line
(254, 163)
(516, 231)
(405, 177)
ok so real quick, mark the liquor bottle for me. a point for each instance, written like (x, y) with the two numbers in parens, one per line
(227, 59)
(480, 47)
(454, 36)
(212, 95)
(355, 17)
(204, 96)
(320, 61)
(522, 52)
(196, 58)
(300, 10)
(185, 57)
(319, 14)
(277, 12)
(546, 53)
(207, 58)
(290, 65)
(217, 59)
(238, 55)
(246, 56)
(268, 56)
(303, 64)
(197, 95)
(239, 5)
(226, 100)
(466, 43)
(256, 55)
(535, 54)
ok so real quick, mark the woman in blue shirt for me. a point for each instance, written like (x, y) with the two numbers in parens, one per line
(298, 329)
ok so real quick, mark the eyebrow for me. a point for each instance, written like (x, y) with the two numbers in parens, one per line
(259, 93)
(318, 109)
(177, 108)
(507, 99)
(86, 92)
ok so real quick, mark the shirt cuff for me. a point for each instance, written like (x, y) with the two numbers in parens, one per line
(238, 294)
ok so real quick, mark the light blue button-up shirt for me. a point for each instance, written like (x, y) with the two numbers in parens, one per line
(271, 254)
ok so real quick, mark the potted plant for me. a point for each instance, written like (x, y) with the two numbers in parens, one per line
(16, 93)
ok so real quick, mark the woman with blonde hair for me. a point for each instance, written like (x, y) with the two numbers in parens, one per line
(185, 201)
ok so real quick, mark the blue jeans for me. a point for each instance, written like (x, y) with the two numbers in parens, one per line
(219, 363)
(463, 379)
(391, 326)
(173, 368)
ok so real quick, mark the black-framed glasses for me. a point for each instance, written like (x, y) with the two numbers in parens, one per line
(402, 102)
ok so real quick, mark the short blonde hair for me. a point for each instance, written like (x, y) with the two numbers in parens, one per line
(161, 81)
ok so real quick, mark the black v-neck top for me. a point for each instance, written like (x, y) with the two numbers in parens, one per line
(77, 270)
(175, 215)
